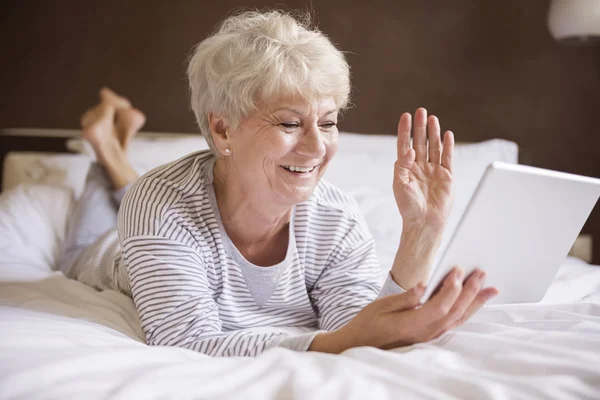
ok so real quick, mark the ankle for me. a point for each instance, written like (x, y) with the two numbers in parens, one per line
(120, 172)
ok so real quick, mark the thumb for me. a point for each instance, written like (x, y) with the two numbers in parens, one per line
(405, 301)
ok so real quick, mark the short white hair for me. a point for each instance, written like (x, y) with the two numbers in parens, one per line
(256, 56)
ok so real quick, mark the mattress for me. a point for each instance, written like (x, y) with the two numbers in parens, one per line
(61, 339)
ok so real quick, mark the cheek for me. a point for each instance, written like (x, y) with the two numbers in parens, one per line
(332, 146)
(278, 147)
(269, 151)
(266, 147)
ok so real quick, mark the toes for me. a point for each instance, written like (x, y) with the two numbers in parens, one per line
(109, 96)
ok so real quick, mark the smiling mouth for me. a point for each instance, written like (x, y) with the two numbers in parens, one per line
(298, 169)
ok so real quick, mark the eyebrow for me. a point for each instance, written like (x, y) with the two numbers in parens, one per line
(301, 113)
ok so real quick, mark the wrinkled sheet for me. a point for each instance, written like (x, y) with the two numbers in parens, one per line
(60, 339)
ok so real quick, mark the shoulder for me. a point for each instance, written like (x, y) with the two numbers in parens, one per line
(149, 200)
(335, 210)
(327, 196)
(332, 227)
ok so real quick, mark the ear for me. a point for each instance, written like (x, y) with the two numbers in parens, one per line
(219, 130)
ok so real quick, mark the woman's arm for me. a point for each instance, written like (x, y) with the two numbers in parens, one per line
(415, 255)
(351, 277)
(349, 281)
(423, 189)
(172, 287)
(174, 300)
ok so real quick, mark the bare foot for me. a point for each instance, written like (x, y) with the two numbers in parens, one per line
(97, 125)
(109, 96)
(129, 121)
(98, 129)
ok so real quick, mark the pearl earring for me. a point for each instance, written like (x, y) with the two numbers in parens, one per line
(227, 151)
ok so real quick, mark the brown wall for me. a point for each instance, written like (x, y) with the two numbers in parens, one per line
(486, 68)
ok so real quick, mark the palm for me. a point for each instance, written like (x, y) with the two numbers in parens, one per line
(422, 176)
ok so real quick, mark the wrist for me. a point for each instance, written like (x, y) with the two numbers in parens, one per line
(416, 252)
(334, 342)
(421, 230)
(419, 243)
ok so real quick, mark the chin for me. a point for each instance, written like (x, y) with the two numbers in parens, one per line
(295, 195)
(294, 187)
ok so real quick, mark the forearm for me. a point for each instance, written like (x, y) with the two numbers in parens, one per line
(334, 342)
(247, 344)
(414, 258)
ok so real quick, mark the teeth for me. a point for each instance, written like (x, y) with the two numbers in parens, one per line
(293, 168)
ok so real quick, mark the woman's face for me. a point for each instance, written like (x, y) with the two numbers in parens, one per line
(282, 150)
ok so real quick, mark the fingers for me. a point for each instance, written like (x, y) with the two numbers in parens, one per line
(454, 303)
(440, 304)
(435, 142)
(404, 127)
(426, 135)
(483, 297)
(405, 301)
(448, 150)
(467, 296)
(420, 135)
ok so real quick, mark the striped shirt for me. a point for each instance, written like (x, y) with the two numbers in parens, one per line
(192, 288)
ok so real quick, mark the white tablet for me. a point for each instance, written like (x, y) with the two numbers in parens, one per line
(518, 227)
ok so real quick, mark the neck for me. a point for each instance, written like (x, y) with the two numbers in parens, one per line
(247, 218)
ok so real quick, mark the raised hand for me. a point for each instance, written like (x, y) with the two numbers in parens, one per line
(423, 174)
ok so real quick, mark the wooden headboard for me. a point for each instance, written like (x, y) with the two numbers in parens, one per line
(487, 69)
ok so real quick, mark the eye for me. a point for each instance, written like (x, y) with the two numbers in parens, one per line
(328, 125)
(289, 125)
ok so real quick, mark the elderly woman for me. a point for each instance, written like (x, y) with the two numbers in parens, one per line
(247, 235)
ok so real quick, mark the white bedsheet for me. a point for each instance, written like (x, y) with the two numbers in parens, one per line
(61, 339)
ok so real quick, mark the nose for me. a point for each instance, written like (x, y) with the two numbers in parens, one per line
(312, 144)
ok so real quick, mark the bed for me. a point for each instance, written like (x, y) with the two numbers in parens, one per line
(61, 339)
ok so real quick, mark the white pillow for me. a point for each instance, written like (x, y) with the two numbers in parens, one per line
(32, 229)
(61, 170)
(150, 150)
(363, 168)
